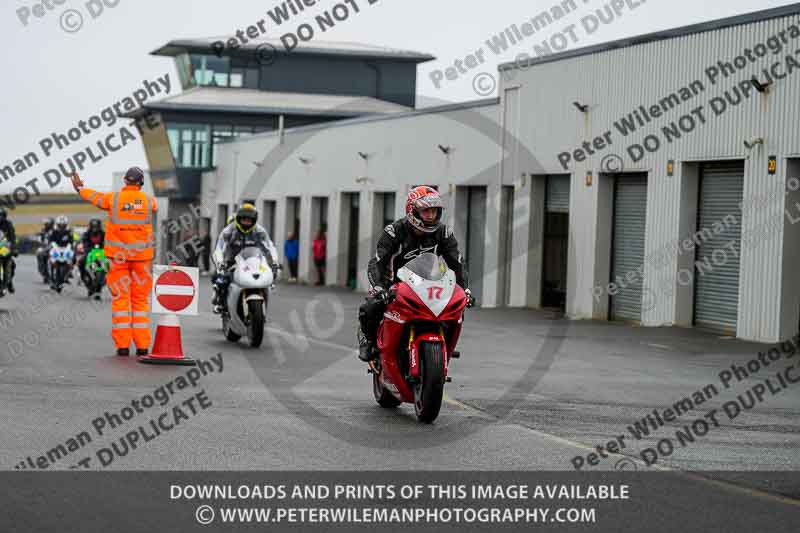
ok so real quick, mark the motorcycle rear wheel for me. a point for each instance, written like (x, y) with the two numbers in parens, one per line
(428, 393)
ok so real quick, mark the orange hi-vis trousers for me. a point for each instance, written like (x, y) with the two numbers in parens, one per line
(130, 283)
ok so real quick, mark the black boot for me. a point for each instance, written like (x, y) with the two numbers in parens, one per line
(124, 352)
(366, 349)
(11, 287)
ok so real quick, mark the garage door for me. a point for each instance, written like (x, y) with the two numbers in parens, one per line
(717, 271)
(630, 208)
(557, 194)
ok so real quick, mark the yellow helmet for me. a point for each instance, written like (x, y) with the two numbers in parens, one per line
(246, 212)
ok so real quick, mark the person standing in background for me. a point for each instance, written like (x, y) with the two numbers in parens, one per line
(291, 250)
(319, 251)
(205, 250)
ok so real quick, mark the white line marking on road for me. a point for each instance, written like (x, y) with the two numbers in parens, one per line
(658, 346)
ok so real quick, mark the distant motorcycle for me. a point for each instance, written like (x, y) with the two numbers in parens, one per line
(61, 257)
(42, 261)
(96, 270)
(5, 260)
(248, 297)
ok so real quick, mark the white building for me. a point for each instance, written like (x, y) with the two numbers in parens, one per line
(657, 162)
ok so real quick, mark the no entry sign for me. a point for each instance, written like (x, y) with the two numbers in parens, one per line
(175, 289)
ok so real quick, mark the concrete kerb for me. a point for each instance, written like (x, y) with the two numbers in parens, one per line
(282, 377)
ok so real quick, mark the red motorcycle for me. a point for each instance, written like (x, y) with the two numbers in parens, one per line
(418, 336)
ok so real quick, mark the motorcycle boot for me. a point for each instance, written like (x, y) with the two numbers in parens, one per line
(366, 348)
(220, 282)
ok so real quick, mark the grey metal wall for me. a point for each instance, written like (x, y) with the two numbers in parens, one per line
(630, 215)
(615, 82)
(717, 272)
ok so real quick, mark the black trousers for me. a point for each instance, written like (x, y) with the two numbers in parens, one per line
(8, 270)
(370, 315)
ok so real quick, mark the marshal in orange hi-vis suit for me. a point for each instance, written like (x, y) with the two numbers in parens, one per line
(129, 249)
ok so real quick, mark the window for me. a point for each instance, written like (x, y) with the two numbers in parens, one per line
(194, 145)
(191, 145)
(244, 77)
(212, 71)
(183, 65)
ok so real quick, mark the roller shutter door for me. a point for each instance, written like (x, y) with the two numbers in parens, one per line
(557, 194)
(630, 209)
(717, 257)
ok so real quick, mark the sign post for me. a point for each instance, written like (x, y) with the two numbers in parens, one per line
(175, 292)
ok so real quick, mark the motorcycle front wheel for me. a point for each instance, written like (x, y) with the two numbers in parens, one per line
(255, 326)
(428, 393)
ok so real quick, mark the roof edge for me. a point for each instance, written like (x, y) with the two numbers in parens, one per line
(484, 102)
(663, 35)
(405, 57)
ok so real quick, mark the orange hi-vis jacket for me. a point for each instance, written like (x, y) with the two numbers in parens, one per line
(129, 232)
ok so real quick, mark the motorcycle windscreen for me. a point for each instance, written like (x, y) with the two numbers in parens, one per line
(251, 252)
(431, 280)
(252, 261)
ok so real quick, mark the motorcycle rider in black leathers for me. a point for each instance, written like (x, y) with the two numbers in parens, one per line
(421, 231)
(243, 232)
(62, 235)
(7, 228)
(43, 254)
(94, 235)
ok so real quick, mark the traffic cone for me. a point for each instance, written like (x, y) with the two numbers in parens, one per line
(167, 349)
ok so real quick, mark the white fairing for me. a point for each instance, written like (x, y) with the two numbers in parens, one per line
(249, 273)
(61, 254)
(252, 273)
(435, 294)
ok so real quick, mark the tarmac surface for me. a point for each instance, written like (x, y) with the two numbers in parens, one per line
(531, 392)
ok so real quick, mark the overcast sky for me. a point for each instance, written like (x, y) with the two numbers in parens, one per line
(53, 79)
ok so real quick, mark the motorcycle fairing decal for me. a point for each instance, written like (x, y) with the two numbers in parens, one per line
(434, 294)
(413, 360)
(394, 316)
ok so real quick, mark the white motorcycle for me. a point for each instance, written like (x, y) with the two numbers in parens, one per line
(60, 265)
(248, 297)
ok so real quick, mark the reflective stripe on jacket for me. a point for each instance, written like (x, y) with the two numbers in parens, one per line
(129, 233)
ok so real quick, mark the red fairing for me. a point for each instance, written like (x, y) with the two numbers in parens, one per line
(408, 308)
(454, 309)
